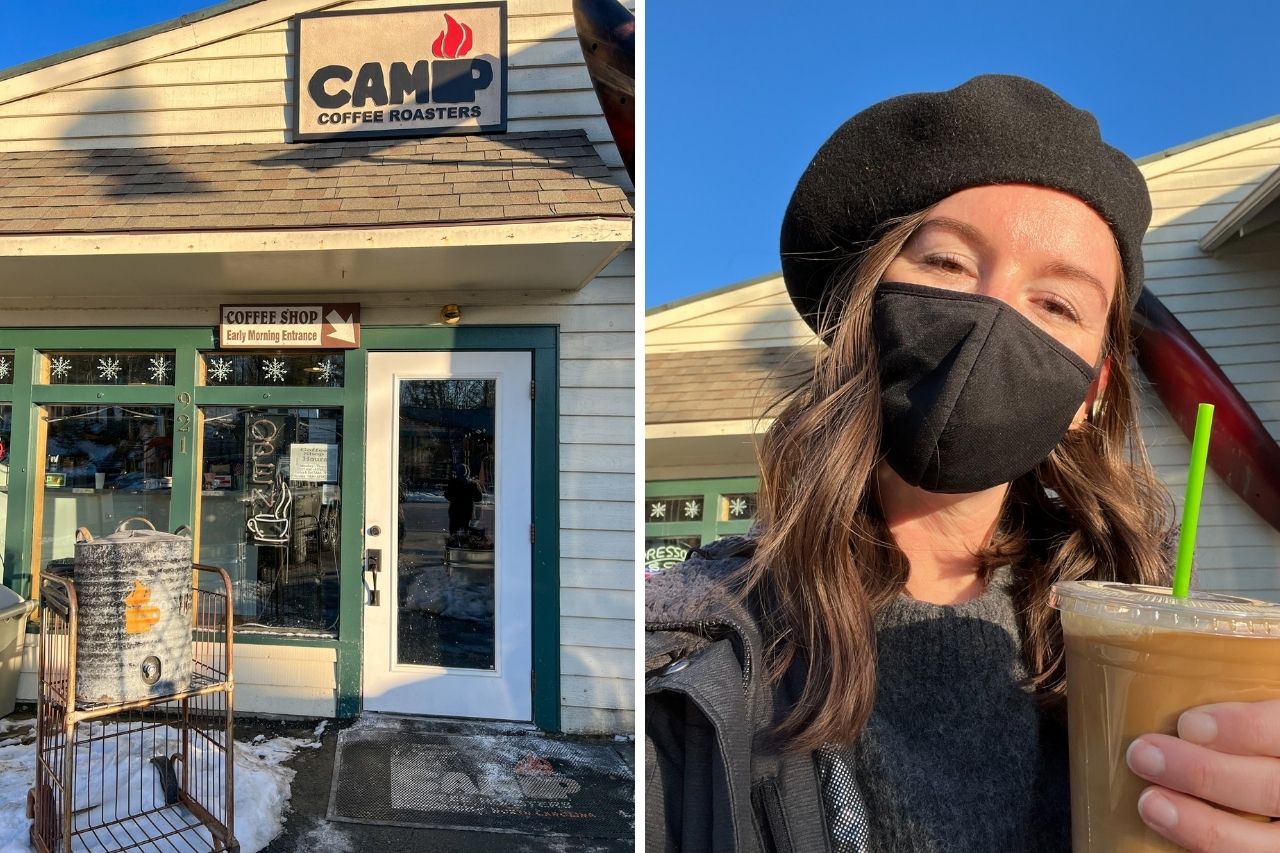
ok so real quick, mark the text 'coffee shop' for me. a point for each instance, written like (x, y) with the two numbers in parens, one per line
(346, 289)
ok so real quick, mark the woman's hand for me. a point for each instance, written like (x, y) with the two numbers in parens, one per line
(1227, 755)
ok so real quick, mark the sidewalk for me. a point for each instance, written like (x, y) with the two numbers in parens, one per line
(307, 831)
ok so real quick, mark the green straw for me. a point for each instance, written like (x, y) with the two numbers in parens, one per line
(1191, 506)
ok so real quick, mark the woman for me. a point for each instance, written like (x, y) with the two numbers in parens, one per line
(876, 667)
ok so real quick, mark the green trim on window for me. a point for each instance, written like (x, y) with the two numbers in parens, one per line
(22, 455)
(87, 395)
(351, 575)
(186, 435)
(541, 341)
(546, 547)
(271, 395)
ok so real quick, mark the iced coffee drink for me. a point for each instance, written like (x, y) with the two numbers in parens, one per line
(1137, 657)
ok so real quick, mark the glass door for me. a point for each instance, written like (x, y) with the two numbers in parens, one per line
(448, 618)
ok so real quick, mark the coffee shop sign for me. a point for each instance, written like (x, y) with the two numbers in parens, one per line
(318, 326)
(402, 72)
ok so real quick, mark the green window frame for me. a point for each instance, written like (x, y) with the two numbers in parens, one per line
(186, 395)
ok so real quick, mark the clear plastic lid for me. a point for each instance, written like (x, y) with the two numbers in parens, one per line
(1156, 607)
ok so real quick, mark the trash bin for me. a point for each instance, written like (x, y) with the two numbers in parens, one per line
(14, 611)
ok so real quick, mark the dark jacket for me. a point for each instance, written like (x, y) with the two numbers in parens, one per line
(713, 782)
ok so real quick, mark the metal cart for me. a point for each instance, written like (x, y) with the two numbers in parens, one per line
(155, 774)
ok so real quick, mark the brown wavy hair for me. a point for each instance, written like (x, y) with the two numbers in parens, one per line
(824, 555)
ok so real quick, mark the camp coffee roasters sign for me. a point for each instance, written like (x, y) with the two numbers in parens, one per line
(402, 72)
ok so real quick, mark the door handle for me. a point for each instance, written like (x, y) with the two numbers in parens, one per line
(373, 565)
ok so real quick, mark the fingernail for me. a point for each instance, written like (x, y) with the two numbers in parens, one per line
(1156, 810)
(1197, 727)
(1145, 759)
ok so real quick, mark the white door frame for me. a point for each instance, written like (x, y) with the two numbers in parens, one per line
(505, 692)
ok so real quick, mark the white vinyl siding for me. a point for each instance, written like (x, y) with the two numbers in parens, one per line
(755, 314)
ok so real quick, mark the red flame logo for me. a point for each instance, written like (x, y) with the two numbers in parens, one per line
(453, 42)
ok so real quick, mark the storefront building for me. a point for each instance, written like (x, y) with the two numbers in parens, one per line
(346, 289)
(716, 361)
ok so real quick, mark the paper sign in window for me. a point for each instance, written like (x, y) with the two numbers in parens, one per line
(313, 463)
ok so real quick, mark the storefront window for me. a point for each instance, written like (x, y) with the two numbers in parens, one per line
(270, 511)
(103, 464)
(686, 508)
(107, 367)
(663, 552)
(6, 367)
(283, 367)
(740, 507)
(681, 514)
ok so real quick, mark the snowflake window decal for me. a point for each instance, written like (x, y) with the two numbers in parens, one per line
(109, 368)
(5, 368)
(274, 369)
(738, 507)
(159, 369)
(328, 371)
(691, 509)
(220, 369)
(658, 510)
(60, 367)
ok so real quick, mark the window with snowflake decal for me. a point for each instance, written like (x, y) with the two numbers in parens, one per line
(323, 369)
(703, 509)
(6, 367)
(740, 507)
(108, 368)
(686, 508)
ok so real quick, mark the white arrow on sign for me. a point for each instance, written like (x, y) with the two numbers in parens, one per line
(343, 328)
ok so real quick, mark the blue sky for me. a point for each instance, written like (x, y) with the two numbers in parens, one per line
(740, 95)
(33, 30)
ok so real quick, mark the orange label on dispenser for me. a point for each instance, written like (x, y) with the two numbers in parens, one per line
(139, 616)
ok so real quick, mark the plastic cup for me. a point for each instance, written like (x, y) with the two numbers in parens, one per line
(1137, 657)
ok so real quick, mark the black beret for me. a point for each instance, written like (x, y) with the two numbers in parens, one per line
(909, 152)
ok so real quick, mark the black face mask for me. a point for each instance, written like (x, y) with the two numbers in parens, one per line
(972, 393)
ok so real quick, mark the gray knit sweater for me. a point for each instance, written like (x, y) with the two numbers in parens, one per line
(956, 756)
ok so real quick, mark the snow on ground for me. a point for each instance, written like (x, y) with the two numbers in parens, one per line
(322, 835)
(261, 783)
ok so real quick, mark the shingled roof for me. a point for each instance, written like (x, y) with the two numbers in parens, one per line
(720, 385)
(352, 183)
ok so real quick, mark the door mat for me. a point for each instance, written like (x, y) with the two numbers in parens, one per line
(519, 783)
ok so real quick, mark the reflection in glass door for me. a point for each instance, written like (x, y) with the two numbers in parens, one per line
(448, 619)
(445, 526)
